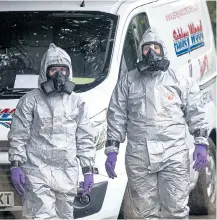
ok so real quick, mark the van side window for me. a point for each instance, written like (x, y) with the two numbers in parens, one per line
(138, 25)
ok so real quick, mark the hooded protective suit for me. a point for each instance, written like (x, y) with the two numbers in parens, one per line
(47, 135)
(153, 109)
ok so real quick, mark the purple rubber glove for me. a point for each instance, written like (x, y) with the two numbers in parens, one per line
(88, 184)
(200, 157)
(18, 179)
(110, 164)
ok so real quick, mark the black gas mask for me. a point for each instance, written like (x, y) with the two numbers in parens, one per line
(58, 82)
(153, 61)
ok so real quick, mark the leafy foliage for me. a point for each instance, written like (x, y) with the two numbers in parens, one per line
(212, 13)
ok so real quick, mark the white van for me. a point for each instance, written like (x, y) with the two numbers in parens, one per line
(102, 38)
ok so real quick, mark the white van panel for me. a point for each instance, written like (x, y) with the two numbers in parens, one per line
(185, 28)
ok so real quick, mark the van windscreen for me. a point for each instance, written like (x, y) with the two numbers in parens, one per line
(86, 36)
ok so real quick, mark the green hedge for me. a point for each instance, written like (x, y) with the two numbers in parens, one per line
(212, 12)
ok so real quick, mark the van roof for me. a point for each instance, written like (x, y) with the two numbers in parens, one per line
(90, 5)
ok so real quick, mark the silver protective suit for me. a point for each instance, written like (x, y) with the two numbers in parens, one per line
(47, 135)
(152, 110)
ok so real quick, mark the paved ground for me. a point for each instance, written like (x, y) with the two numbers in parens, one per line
(203, 217)
(191, 217)
(211, 217)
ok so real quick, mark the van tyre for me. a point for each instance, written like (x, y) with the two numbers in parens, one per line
(202, 200)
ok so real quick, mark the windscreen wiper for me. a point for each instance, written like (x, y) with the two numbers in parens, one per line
(14, 91)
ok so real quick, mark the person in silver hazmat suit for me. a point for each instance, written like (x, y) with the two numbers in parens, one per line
(152, 105)
(50, 130)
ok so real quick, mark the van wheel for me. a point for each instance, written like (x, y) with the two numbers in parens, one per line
(202, 200)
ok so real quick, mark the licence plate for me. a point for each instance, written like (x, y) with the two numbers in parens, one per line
(6, 199)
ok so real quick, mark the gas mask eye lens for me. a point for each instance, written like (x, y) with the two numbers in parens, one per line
(157, 49)
(63, 70)
(154, 46)
(53, 70)
(146, 48)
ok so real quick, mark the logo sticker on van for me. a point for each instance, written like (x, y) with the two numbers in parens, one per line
(197, 38)
(189, 39)
(181, 41)
(6, 117)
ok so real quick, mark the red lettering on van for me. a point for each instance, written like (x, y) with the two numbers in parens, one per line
(203, 65)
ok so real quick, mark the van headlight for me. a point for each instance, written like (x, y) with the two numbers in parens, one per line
(99, 125)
